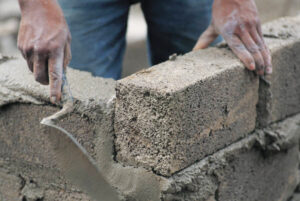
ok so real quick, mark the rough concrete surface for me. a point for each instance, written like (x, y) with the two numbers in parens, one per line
(190, 120)
(174, 114)
(247, 170)
(10, 186)
(280, 92)
(25, 151)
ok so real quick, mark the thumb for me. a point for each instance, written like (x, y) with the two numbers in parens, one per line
(207, 37)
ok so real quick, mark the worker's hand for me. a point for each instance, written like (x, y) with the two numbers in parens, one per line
(238, 23)
(44, 40)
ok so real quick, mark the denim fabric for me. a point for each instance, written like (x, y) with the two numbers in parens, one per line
(98, 29)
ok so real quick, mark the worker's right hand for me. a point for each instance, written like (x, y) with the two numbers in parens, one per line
(238, 23)
(44, 41)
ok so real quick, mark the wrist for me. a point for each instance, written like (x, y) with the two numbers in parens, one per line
(33, 4)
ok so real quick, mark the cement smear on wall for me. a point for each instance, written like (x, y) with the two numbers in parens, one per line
(25, 150)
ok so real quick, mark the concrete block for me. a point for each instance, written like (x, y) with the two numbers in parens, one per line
(247, 170)
(176, 113)
(280, 93)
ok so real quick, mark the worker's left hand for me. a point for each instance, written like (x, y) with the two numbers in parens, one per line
(238, 23)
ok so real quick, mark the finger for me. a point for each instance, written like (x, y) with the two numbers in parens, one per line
(28, 55)
(265, 52)
(207, 37)
(30, 64)
(240, 51)
(22, 49)
(40, 69)
(254, 51)
(67, 55)
(55, 68)
(259, 30)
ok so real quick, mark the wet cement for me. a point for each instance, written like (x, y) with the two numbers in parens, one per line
(24, 148)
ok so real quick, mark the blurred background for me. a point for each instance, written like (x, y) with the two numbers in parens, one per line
(136, 53)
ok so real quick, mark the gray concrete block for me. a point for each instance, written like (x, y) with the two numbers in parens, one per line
(176, 113)
(247, 170)
(280, 93)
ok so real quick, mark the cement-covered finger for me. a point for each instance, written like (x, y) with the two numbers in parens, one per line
(241, 51)
(55, 69)
(40, 69)
(254, 50)
(257, 37)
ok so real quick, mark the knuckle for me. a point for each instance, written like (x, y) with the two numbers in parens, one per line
(28, 49)
(257, 21)
(237, 30)
(55, 47)
(237, 46)
(55, 76)
(20, 47)
(40, 49)
(260, 45)
(254, 49)
(228, 29)
(242, 27)
(249, 23)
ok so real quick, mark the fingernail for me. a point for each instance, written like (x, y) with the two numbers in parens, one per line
(53, 99)
(252, 66)
(269, 70)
